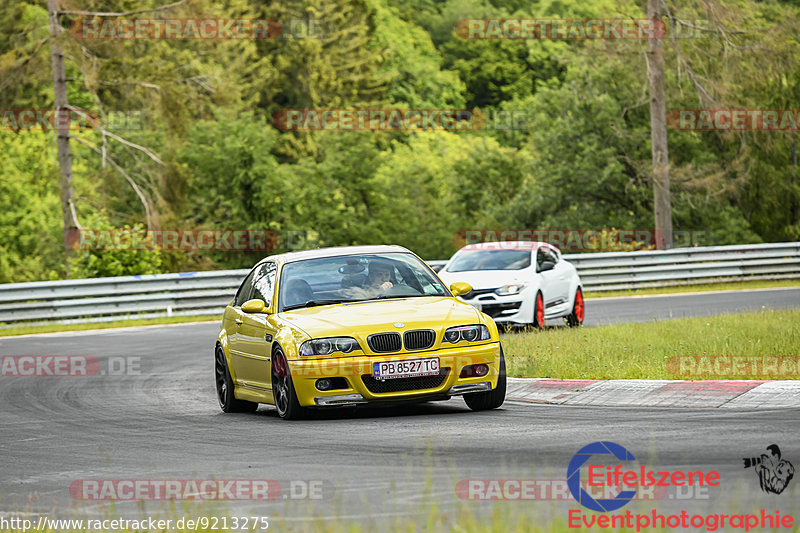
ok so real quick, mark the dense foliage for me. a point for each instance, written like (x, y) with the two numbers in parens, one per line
(578, 158)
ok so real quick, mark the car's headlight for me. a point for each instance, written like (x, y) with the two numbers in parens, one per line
(511, 288)
(466, 333)
(329, 345)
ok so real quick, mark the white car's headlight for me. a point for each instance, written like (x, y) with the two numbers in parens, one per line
(466, 333)
(510, 289)
(329, 345)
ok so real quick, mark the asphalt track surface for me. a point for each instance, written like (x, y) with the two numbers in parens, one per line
(648, 308)
(378, 467)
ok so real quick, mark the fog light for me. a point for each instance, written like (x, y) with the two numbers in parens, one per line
(324, 384)
(475, 371)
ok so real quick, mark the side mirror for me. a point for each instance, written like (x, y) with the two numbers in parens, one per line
(546, 265)
(459, 288)
(254, 306)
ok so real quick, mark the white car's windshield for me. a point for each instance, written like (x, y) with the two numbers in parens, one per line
(351, 278)
(490, 260)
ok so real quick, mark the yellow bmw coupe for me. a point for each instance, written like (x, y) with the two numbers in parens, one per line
(353, 325)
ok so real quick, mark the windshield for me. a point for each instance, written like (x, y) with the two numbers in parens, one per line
(353, 278)
(490, 260)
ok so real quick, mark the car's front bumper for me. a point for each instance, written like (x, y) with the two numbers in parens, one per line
(513, 308)
(363, 388)
(342, 400)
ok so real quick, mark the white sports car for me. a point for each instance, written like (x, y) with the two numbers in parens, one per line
(519, 282)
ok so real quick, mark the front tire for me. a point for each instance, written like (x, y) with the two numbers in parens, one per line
(575, 318)
(227, 401)
(482, 401)
(283, 392)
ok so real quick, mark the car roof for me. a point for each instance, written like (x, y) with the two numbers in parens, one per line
(335, 251)
(508, 245)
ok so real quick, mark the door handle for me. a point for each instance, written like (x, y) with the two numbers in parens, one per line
(238, 322)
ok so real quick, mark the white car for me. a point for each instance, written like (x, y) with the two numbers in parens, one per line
(518, 282)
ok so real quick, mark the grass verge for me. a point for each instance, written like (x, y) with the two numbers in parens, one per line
(643, 351)
(703, 287)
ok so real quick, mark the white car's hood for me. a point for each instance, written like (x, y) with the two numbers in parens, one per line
(487, 279)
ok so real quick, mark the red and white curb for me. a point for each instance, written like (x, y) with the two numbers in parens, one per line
(737, 394)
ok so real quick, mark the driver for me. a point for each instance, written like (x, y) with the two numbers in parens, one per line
(377, 281)
(379, 277)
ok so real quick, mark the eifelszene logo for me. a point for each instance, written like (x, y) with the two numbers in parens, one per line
(574, 476)
(623, 477)
(774, 473)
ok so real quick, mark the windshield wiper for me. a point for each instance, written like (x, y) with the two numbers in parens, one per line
(313, 303)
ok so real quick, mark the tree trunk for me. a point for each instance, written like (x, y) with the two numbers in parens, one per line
(793, 197)
(62, 132)
(658, 135)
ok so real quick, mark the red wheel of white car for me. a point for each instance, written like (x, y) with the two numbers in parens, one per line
(575, 318)
(538, 311)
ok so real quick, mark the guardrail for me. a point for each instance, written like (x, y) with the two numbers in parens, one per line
(207, 293)
(686, 266)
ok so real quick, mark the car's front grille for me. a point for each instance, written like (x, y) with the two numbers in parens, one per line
(377, 386)
(495, 310)
(419, 339)
(384, 342)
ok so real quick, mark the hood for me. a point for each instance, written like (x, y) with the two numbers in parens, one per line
(487, 279)
(364, 318)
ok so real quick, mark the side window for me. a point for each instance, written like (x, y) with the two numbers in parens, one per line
(264, 283)
(424, 282)
(540, 258)
(427, 286)
(544, 254)
(243, 294)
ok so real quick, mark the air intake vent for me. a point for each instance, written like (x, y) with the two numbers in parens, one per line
(377, 386)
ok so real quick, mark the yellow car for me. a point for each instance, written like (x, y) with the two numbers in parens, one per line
(353, 325)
